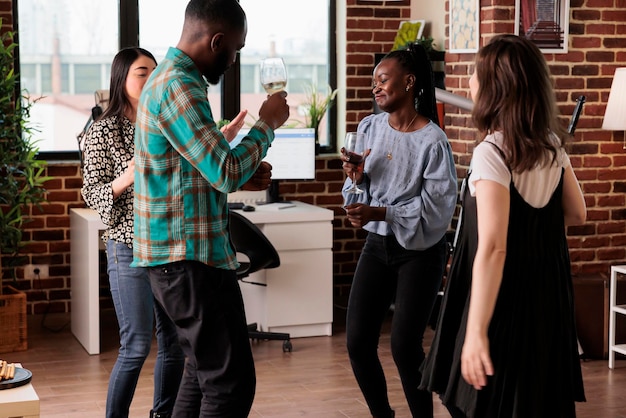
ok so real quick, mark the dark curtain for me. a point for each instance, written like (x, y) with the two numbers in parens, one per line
(528, 14)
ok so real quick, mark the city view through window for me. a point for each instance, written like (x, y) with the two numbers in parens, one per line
(66, 48)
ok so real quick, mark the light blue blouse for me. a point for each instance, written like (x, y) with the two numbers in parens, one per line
(417, 185)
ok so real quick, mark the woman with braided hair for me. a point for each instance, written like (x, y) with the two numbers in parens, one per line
(410, 194)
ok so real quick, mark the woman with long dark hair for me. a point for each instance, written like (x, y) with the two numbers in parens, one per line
(109, 175)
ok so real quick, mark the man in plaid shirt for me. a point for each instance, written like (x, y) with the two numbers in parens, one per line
(184, 169)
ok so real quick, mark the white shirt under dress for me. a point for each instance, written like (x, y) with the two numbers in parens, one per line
(536, 186)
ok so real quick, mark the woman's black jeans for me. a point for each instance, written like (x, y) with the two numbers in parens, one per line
(387, 273)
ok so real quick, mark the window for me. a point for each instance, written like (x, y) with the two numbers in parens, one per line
(301, 43)
(66, 48)
(65, 51)
(157, 37)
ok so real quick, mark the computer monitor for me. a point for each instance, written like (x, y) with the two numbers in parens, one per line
(292, 153)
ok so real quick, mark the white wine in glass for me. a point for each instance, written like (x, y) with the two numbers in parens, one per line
(273, 75)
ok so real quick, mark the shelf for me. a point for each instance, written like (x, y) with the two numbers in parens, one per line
(619, 269)
(620, 309)
(615, 309)
(619, 348)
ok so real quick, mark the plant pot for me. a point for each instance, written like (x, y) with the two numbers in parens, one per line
(13, 328)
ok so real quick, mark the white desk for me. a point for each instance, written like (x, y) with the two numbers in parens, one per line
(85, 242)
(298, 298)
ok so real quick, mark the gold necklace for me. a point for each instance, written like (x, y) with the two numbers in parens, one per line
(389, 153)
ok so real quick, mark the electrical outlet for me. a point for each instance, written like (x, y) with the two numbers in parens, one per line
(34, 271)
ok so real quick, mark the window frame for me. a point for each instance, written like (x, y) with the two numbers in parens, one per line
(128, 13)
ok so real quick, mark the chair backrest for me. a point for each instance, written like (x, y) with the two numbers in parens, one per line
(251, 242)
(102, 99)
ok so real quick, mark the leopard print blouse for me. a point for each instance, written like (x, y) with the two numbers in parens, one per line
(109, 147)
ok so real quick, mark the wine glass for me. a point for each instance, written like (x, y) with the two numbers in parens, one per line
(353, 144)
(273, 75)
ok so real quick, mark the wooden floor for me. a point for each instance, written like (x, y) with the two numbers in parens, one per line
(315, 380)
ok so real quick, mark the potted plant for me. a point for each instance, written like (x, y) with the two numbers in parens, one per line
(22, 177)
(315, 106)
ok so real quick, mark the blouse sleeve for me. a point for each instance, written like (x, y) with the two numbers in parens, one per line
(421, 221)
(98, 173)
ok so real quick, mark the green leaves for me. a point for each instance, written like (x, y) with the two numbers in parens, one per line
(316, 105)
(22, 175)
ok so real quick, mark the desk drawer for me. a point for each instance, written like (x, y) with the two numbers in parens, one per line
(299, 235)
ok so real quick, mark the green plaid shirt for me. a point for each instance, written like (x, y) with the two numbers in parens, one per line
(184, 169)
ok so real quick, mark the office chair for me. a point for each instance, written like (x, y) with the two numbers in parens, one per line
(102, 102)
(248, 240)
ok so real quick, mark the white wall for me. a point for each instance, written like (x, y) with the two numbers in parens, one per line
(434, 12)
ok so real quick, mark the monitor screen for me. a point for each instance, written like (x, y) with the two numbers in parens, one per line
(292, 153)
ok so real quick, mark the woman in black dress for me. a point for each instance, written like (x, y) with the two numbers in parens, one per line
(506, 341)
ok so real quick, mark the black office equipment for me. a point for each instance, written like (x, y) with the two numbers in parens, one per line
(235, 205)
(577, 111)
(248, 240)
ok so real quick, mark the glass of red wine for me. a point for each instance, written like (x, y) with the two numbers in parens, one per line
(353, 146)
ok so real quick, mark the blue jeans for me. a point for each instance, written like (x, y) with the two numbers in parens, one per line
(207, 308)
(136, 312)
(388, 273)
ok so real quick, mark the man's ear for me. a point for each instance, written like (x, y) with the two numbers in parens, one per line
(216, 41)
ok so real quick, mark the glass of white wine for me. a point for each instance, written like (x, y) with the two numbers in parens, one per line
(273, 75)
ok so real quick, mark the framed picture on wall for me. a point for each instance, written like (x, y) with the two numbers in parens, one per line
(464, 25)
(545, 22)
(408, 32)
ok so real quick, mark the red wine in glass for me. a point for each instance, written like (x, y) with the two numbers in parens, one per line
(352, 144)
(354, 158)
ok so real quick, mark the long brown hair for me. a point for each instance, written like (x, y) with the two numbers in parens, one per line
(516, 96)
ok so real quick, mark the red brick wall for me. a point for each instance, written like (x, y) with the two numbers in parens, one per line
(596, 49)
(371, 29)
(48, 234)
(6, 14)
(597, 46)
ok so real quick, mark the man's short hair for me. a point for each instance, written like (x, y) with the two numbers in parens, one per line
(226, 12)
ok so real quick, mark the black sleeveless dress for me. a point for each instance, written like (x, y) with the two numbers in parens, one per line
(532, 333)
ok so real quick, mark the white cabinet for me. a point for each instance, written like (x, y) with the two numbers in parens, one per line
(85, 243)
(298, 296)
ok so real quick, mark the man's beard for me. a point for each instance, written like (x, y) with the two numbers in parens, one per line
(220, 67)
